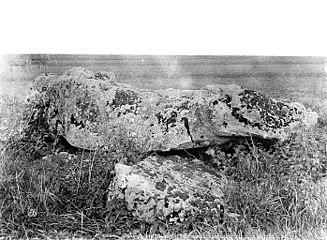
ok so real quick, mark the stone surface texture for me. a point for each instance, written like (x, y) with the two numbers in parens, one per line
(89, 109)
(171, 189)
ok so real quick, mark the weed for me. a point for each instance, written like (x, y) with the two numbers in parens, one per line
(279, 188)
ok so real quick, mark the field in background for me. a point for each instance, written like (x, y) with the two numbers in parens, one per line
(278, 76)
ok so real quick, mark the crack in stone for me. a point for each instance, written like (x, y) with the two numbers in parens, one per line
(185, 120)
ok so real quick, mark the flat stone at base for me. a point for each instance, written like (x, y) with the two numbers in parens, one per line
(171, 188)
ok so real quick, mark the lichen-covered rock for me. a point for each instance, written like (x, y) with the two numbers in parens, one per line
(170, 189)
(89, 110)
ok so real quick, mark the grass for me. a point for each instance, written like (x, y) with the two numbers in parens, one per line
(279, 193)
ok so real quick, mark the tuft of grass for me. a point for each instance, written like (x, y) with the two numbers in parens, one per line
(11, 112)
(282, 188)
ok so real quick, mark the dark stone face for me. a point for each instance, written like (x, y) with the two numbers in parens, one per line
(126, 97)
(123, 98)
(226, 99)
(167, 121)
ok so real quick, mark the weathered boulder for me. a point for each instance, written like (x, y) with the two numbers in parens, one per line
(89, 109)
(172, 189)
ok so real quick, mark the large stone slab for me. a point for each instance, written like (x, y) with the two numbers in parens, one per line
(90, 109)
(171, 189)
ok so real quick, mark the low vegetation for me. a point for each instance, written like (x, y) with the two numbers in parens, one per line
(270, 193)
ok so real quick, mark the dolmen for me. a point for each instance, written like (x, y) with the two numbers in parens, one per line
(91, 109)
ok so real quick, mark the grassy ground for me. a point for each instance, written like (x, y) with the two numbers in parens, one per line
(275, 194)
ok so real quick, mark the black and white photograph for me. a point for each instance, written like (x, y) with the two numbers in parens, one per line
(163, 120)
